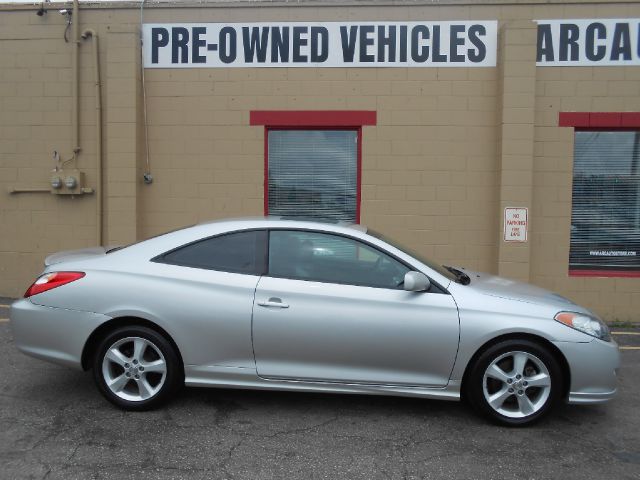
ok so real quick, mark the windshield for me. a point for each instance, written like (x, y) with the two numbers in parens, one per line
(418, 256)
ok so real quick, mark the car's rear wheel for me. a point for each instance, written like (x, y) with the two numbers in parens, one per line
(515, 382)
(136, 368)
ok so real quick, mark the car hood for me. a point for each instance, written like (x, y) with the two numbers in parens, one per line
(501, 287)
(73, 255)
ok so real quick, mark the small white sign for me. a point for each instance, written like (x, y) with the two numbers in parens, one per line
(515, 224)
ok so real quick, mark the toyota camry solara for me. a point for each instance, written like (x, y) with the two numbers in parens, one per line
(273, 303)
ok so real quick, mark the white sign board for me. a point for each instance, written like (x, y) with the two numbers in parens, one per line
(321, 44)
(588, 42)
(516, 224)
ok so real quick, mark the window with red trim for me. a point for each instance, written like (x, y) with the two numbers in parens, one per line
(312, 162)
(605, 219)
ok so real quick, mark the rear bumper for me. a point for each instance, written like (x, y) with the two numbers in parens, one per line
(593, 367)
(53, 334)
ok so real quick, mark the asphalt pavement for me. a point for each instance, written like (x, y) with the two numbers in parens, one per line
(55, 425)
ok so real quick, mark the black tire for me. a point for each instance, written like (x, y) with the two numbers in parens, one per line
(156, 349)
(506, 352)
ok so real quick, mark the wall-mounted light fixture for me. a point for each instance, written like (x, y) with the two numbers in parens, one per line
(41, 11)
(67, 14)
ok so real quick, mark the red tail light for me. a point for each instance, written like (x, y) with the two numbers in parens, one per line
(52, 280)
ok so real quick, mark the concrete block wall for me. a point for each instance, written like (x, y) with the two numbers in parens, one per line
(452, 146)
(429, 170)
(562, 89)
(35, 118)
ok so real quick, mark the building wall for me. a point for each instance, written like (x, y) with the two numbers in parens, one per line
(451, 148)
(600, 89)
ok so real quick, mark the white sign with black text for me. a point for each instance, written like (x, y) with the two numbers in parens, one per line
(321, 44)
(516, 224)
(588, 42)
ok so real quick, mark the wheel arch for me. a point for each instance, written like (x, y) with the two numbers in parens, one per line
(93, 341)
(555, 351)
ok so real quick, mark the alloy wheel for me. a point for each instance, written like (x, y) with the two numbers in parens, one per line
(134, 369)
(516, 384)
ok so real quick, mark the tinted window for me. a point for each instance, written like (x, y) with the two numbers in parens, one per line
(241, 252)
(331, 258)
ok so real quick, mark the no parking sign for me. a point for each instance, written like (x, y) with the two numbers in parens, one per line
(515, 224)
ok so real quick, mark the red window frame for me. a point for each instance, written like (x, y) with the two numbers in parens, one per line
(352, 120)
(601, 121)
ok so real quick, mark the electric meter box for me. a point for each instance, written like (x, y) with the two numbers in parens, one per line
(67, 182)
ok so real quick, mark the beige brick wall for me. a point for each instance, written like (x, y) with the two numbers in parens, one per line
(35, 117)
(598, 89)
(451, 148)
(580, 89)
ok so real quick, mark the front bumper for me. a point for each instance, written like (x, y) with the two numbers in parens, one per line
(57, 335)
(593, 367)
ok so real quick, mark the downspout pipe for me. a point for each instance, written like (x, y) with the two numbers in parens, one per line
(75, 94)
(96, 67)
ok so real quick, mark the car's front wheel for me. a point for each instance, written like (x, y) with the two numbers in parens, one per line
(515, 382)
(136, 368)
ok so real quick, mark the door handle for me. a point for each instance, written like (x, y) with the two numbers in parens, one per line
(273, 302)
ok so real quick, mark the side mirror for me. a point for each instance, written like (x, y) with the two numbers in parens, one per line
(416, 282)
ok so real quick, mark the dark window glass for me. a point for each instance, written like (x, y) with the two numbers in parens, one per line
(241, 252)
(330, 258)
(313, 173)
(605, 220)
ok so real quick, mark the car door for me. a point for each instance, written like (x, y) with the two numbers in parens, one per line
(332, 309)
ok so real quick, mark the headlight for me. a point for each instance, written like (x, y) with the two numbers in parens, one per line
(585, 323)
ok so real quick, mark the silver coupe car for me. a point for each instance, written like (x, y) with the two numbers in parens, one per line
(275, 303)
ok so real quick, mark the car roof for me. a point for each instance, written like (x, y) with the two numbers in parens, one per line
(162, 243)
(182, 236)
(287, 221)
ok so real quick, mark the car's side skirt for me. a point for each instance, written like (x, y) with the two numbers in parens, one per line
(246, 378)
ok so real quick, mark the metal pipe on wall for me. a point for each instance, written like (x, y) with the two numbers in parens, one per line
(75, 94)
(29, 190)
(96, 66)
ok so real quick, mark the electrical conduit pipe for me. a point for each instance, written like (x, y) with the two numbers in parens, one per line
(96, 66)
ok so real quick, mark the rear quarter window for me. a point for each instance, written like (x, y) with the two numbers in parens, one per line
(238, 252)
